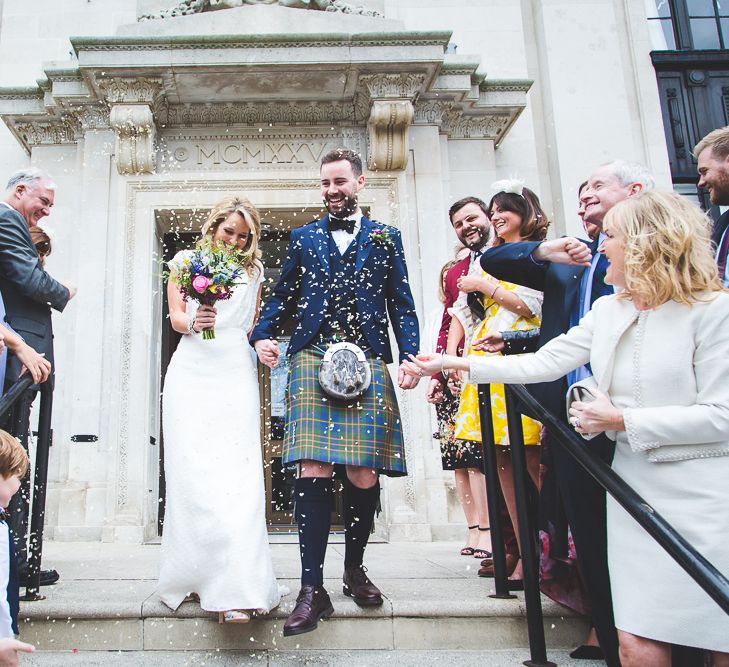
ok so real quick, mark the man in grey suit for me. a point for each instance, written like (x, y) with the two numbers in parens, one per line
(29, 293)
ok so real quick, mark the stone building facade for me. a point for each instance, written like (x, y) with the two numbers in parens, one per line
(144, 124)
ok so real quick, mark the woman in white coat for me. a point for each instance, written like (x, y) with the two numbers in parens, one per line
(661, 348)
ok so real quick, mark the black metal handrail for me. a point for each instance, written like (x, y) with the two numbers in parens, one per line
(695, 565)
(517, 396)
(40, 480)
(12, 395)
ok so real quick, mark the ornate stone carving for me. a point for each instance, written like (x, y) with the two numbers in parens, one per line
(187, 7)
(93, 117)
(390, 116)
(137, 90)
(291, 113)
(135, 134)
(392, 86)
(65, 130)
(387, 134)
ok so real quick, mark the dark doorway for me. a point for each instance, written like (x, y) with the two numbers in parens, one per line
(279, 479)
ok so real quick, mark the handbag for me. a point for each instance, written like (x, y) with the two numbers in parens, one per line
(583, 391)
(344, 373)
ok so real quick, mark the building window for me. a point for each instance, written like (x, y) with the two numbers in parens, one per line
(693, 25)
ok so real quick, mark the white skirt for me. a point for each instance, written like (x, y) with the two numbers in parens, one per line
(652, 595)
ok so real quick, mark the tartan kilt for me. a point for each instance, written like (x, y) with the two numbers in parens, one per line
(366, 432)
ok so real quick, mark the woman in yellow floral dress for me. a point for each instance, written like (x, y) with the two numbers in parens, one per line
(516, 215)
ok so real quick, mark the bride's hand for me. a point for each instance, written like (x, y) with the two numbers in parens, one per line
(204, 318)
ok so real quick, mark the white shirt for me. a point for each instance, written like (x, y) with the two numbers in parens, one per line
(342, 238)
(6, 624)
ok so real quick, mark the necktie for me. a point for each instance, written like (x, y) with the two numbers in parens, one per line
(721, 254)
(599, 286)
(337, 223)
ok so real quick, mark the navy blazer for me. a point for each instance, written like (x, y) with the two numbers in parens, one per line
(382, 288)
(28, 291)
(561, 286)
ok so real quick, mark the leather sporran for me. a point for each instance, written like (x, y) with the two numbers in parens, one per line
(344, 373)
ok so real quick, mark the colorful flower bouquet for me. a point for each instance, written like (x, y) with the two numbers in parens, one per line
(208, 274)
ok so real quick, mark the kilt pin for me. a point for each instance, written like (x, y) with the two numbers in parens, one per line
(368, 282)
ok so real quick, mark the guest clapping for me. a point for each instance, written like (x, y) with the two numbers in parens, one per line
(659, 347)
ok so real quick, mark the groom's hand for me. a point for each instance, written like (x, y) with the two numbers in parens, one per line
(267, 351)
(404, 380)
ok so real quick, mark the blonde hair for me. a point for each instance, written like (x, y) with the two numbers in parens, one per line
(249, 213)
(668, 252)
(441, 279)
(717, 141)
(13, 459)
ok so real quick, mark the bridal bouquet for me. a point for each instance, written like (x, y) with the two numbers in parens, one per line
(208, 274)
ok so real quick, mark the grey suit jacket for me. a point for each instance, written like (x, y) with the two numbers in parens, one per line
(28, 291)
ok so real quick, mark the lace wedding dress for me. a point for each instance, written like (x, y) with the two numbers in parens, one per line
(214, 541)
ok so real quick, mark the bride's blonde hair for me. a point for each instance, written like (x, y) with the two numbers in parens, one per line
(249, 213)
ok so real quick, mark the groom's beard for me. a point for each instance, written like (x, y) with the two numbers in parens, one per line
(348, 206)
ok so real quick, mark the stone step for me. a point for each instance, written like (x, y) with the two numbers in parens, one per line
(105, 601)
(284, 658)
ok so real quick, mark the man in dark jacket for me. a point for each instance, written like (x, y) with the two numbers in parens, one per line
(29, 293)
(712, 153)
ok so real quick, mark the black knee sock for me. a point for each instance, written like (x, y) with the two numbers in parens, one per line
(359, 514)
(313, 497)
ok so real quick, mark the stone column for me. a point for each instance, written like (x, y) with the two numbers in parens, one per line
(133, 102)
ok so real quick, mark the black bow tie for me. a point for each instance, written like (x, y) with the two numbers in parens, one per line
(337, 223)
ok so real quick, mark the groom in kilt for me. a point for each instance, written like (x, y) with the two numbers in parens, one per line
(343, 274)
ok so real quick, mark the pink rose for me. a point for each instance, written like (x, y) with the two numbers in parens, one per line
(200, 283)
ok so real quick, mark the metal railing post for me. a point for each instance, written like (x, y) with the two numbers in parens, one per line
(527, 534)
(37, 519)
(498, 550)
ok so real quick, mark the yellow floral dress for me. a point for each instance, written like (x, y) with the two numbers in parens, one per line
(497, 318)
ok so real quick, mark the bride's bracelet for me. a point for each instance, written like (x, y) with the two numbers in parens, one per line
(191, 325)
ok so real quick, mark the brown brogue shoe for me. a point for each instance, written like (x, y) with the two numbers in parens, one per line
(358, 586)
(312, 605)
(487, 566)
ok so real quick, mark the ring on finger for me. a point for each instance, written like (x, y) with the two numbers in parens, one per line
(576, 422)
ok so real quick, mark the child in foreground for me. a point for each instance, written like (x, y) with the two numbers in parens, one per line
(13, 466)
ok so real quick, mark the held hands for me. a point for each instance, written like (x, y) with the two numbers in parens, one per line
(492, 342)
(566, 250)
(423, 364)
(596, 416)
(204, 318)
(267, 351)
(407, 380)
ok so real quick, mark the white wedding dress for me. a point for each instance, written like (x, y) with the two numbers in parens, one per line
(214, 541)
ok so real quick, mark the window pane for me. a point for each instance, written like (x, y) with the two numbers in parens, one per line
(704, 34)
(700, 7)
(657, 8)
(725, 32)
(661, 35)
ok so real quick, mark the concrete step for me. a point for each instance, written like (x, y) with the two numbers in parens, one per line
(328, 658)
(105, 601)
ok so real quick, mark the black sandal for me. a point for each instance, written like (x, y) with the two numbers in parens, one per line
(482, 553)
(469, 551)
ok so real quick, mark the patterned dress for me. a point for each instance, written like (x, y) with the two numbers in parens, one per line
(497, 318)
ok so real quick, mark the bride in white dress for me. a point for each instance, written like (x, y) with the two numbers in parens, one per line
(214, 541)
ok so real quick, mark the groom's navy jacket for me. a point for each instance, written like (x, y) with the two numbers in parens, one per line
(382, 288)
